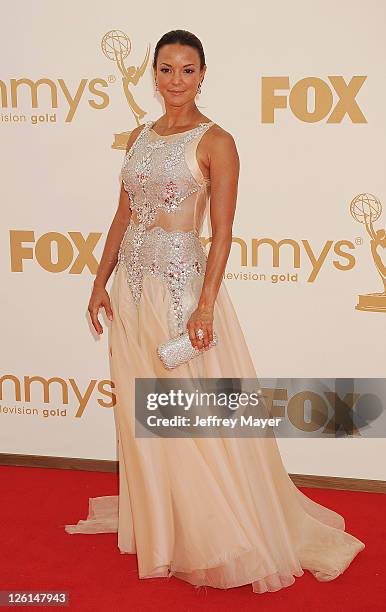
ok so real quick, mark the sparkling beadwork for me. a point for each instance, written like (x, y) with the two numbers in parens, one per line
(174, 257)
(157, 178)
(177, 351)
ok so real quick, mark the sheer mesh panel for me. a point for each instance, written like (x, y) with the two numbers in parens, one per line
(189, 216)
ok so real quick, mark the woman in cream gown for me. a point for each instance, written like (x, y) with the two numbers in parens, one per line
(221, 512)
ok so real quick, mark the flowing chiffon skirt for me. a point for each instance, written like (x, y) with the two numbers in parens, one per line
(221, 512)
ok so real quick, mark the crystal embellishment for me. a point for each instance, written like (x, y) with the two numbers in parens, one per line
(173, 257)
(156, 177)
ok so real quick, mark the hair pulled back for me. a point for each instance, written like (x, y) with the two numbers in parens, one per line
(182, 37)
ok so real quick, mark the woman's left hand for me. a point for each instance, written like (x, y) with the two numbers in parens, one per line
(201, 318)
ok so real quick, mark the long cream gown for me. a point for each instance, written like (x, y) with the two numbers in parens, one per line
(221, 512)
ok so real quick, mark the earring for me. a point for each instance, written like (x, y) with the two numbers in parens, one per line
(156, 85)
(199, 88)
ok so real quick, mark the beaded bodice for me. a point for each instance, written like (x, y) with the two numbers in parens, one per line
(168, 198)
(162, 176)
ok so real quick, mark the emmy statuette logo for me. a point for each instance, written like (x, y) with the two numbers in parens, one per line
(366, 208)
(116, 46)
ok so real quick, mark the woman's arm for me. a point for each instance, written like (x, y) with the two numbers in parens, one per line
(99, 296)
(117, 229)
(113, 240)
(224, 167)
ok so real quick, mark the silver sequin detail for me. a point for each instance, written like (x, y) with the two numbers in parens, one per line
(177, 351)
(155, 173)
(174, 257)
(156, 176)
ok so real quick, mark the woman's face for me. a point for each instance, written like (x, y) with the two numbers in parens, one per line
(178, 73)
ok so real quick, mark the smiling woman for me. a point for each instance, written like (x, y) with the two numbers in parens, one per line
(221, 512)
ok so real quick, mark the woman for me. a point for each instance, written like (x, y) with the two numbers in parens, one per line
(236, 517)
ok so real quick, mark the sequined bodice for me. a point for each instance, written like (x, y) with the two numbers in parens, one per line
(162, 176)
(168, 198)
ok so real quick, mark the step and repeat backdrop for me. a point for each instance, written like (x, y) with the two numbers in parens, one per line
(301, 86)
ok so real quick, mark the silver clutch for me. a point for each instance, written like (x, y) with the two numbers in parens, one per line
(179, 350)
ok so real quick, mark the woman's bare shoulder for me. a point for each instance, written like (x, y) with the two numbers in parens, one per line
(219, 136)
(219, 140)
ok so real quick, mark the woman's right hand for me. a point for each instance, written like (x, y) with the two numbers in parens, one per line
(99, 298)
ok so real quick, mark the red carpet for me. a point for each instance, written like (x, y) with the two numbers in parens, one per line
(37, 554)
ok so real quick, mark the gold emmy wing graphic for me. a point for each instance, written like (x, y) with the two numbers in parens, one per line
(366, 208)
(116, 46)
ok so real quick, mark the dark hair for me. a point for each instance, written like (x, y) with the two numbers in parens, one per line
(182, 37)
